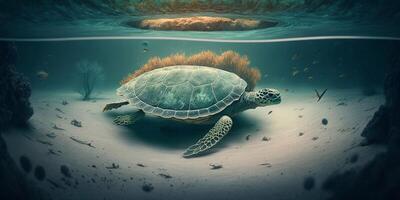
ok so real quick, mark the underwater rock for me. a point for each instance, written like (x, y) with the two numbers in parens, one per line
(15, 109)
(166, 176)
(25, 163)
(324, 121)
(215, 166)
(15, 90)
(354, 158)
(201, 23)
(40, 174)
(113, 166)
(64, 102)
(380, 177)
(265, 138)
(309, 183)
(147, 187)
(76, 123)
(379, 129)
(141, 165)
(65, 171)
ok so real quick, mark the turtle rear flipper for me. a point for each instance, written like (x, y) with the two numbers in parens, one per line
(111, 106)
(220, 129)
(129, 119)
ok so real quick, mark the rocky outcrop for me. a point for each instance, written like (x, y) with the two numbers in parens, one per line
(15, 90)
(380, 178)
(15, 109)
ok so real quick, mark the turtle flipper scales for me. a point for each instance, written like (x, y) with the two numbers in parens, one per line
(129, 119)
(214, 135)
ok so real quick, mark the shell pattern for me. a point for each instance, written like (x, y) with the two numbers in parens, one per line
(183, 91)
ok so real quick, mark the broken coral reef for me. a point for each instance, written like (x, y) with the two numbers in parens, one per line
(15, 109)
(229, 60)
(201, 23)
(380, 178)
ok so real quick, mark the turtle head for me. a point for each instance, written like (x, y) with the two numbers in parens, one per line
(267, 96)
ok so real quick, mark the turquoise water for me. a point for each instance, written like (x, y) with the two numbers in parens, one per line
(342, 46)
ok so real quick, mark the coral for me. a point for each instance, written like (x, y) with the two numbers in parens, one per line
(228, 60)
(201, 23)
(15, 90)
(90, 73)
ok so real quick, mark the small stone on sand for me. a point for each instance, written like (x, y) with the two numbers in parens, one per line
(147, 187)
(324, 121)
(40, 174)
(25, 163)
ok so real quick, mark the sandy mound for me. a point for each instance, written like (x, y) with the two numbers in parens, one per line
(201, 23)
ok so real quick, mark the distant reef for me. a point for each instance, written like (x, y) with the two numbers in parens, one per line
(380, 178)
(201, 23)
(15, 109)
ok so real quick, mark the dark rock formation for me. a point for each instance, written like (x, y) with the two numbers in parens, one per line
(15, 90)
(380, 178)
(386, 120)
(14, 109)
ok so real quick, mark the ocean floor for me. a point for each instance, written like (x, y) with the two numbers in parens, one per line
(276, 152)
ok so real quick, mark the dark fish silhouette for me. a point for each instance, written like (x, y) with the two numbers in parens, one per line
(320, 95)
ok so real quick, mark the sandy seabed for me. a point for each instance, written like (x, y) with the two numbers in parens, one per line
(144, 161)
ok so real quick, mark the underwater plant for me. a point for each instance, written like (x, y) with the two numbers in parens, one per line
(229, 60)
(89, 73)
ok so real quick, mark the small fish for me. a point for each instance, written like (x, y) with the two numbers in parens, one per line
(310, 78)
(320, 95)
(145, 50)
(145, 43)
(269, 112)
(305, 69)
(42, 75)
(342, 75)
(294, 73)
(315, 62)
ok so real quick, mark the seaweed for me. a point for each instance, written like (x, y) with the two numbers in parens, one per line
(228, 60)
(90, 73)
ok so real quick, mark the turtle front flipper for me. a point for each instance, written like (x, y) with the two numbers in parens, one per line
(129, 119)
(216, 133)
(111, 106)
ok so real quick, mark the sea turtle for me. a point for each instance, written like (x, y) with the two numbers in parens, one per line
(193, 94)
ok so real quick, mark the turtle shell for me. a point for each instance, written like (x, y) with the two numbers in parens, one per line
(183, 91)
